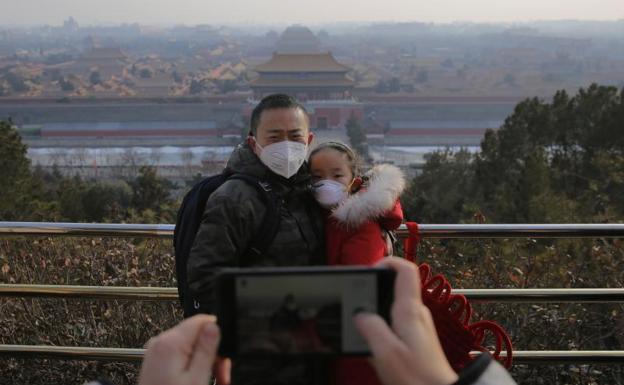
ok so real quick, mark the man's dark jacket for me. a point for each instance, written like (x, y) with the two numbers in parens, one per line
(233, 214)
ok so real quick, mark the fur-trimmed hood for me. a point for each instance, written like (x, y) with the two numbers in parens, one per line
(378, 196)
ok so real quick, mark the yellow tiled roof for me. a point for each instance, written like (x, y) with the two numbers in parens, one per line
(321, 62)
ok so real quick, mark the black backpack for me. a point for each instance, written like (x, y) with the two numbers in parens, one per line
(190, 216)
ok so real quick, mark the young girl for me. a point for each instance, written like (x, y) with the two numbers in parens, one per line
(360, 211)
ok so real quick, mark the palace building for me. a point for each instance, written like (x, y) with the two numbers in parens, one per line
(301, 68)
(307, 76)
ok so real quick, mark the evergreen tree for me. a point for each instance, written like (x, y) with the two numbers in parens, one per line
(357, 137)
(14, 174)
(95, 78)
(558, 161)
(150, 191)
(443, 192)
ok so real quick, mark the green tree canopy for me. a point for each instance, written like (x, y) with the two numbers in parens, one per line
(357, 136)
(150, 192)
(554, 161)
(14, 174)
(39, 195)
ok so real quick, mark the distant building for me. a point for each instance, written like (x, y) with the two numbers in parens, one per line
(153, 86)
(108, 61)
(70, 25)
(300, 68)
(324, 114)
(306, 76)
(298, 39)
(140, 129)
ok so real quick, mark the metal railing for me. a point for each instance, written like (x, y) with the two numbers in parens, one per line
(171, 293)
(425, 231)
(125, 354)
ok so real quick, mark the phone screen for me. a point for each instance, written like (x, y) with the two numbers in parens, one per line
(301, 314)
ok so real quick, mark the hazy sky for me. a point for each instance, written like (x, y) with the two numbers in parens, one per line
(28, 12)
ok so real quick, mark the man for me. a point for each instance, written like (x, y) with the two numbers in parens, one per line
(274, 153)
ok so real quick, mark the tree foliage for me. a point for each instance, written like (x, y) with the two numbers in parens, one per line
(150, 192)
(50, 196)
(436, 191)
(95, 78)
(357, 136)
(557, 161)
(17, 82)
(14, 174)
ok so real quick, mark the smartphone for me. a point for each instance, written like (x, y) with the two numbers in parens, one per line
(298, 311)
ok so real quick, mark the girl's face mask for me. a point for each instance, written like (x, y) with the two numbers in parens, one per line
(330, 193)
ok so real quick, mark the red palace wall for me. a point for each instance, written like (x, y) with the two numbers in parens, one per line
(336, 116)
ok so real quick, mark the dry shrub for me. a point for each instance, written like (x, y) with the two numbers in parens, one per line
(530, 263)
(82, 322)
(149, 262)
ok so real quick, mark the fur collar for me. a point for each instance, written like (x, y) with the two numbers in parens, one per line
(381, 192)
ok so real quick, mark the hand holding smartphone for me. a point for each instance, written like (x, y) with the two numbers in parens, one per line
(298, 311)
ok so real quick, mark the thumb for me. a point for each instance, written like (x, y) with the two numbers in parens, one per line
(376, 333)
(204, 354)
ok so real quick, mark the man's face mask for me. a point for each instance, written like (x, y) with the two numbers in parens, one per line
(330, 193)
(283, 158)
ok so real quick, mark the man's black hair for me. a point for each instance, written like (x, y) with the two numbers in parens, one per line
(271, 102)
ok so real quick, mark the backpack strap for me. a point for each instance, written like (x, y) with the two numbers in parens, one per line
(312, 213)
(270, 224)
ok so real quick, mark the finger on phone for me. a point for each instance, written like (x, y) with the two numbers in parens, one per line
(376, 333)
(390, 355)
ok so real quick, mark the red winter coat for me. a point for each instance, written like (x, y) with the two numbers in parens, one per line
(354, 236)
(364, 245)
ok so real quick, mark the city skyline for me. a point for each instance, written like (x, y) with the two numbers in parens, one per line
(192, 12)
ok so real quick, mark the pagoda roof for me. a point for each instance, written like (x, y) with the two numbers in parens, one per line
(260, 82)
(298, 39)
(308, 62)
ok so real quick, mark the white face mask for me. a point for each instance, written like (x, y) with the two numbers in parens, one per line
(329, 193)
(283, 158)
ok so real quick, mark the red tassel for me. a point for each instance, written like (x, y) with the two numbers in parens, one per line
(412, 240)
(451, 315)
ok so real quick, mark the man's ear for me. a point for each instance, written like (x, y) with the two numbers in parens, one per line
(310, 138)
(251, 142)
